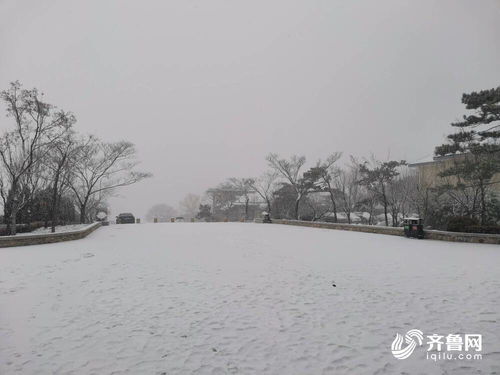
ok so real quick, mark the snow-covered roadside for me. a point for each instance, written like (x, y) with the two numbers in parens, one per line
(59, 229)
(62, 228)
(196, 298)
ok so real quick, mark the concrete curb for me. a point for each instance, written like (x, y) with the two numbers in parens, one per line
(397, 231)
(37, 239)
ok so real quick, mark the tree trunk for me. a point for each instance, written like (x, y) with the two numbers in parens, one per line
(268, 206)
(246, 208)
(53, 203)
(385, 215)
(83, 210)
(334, 206)
(347, 208)
(394, 218)
(6, 215)
(82, 214)
(13, 226)
(9, 209)
(297, 202)
(483, 205)
(372, 208)
(384, 201)
(54, 212)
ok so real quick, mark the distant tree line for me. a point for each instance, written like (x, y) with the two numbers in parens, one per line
(380, 192)
(48, 171)
(188, 209)
(362, 191)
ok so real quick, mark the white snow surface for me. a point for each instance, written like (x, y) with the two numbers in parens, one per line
(61, 228)
(242, 298)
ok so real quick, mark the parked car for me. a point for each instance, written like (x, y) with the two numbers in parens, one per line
(125, 218)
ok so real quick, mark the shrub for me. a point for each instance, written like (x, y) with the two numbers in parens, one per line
(460, 223)
(488, 229)
(20, 228)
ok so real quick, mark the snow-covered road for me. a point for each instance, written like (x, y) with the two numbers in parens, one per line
(235, 298)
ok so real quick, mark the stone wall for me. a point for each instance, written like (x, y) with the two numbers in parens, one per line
(37, 239)
(397, 231)
(462, 237)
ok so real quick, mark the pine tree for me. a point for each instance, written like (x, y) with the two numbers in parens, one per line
(477, 142)
(377, 180)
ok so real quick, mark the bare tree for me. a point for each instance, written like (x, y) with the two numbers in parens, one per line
(163, 212)
(244, 187)
(223, 198)
(290, 171)
(97, 203)
(328, 172)
(399, 194)
(318, 204)
(367, 203)
(37, 126)
(102, 167)
(190, 205)
(377, 177)
(347, 186)
(58, 163)
(265, 186)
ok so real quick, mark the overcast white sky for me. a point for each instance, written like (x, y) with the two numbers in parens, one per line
(207, 88)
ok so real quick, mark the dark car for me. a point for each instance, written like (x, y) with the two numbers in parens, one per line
(125, 218)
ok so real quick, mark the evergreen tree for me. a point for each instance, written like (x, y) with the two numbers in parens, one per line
(377, 179)
(477, 146)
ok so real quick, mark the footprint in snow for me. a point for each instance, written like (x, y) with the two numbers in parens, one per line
(88, 255)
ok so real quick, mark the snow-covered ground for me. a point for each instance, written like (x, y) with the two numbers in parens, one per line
(236, 298)
(61, 228)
